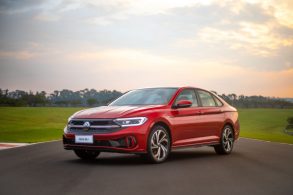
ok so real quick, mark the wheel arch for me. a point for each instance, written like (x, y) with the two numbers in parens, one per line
(166, 126)
(229, 123)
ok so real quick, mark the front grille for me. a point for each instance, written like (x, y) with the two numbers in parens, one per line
(95, 125)
(99, 122)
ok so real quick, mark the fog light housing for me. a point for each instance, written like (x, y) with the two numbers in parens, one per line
(130, 141)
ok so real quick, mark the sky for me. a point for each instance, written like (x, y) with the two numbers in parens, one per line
(243, 47)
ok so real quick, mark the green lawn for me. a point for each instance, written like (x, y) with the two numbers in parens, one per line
(27, 124)
(42, 124)
(265, 124)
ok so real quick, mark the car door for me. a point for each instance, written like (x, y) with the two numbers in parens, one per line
(185, 121)
(211, 113)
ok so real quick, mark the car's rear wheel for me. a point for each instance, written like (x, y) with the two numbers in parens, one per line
(159, 144)
(86, 154)
(227, 141)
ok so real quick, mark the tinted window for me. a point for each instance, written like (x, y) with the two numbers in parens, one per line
(151, 96)
(187, 94)
(206, 98)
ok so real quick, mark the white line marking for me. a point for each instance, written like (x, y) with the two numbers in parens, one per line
(266, 141)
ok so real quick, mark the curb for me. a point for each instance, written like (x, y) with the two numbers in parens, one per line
(8, 145)
(4, 145)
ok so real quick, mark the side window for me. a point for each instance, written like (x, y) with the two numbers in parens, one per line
(188, 94)
(206, 98)
(219, 103)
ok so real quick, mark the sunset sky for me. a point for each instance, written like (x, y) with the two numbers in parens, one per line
(242, 47)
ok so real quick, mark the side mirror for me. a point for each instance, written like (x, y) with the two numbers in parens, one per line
(183, 104)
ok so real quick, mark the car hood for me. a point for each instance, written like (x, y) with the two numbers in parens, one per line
(115, 111)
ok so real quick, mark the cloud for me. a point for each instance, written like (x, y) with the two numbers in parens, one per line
(47, 17)
(121, 10)
(146, 7)
(24, 6)
(124, 44)
(281, 9)
(257, 39)
(106, 20)
(20, 55)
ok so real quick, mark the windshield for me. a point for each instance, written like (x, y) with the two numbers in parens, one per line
(151, 96)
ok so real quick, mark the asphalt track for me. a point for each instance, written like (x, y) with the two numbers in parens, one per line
(255, 167)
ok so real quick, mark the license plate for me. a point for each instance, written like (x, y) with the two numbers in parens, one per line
(85, 139)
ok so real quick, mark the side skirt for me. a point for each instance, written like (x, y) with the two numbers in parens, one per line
(196, 145)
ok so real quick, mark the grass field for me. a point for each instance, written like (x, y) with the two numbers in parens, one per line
(265, 124)
(27, 124)
(43, 124)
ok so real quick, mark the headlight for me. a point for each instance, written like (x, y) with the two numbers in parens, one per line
(65, 129)
(69, 119)
(130, 122)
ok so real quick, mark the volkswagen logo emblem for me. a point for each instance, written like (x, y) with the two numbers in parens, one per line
(86, 125)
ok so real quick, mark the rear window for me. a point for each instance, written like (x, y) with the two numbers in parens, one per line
(219, 103)
(206, 99)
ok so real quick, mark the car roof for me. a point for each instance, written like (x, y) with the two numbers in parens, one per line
(177, 88)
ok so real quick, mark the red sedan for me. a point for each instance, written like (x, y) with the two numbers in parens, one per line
(153, 121)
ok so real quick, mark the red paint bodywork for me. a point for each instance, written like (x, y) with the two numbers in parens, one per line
(188, 126)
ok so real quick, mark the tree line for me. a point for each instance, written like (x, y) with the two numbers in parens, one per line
(254, 101)
(92, 97)
(63, 98)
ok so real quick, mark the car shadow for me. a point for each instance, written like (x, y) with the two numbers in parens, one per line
(131, 160)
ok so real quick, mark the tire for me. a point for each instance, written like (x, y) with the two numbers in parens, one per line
(86, 154)
(226, 142)
(159, 145)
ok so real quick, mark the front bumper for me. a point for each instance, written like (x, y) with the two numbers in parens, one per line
(127, 140)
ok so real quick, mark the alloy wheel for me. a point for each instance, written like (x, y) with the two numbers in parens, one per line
(228, 139)
(159, 145)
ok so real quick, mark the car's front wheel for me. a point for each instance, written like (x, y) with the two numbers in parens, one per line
(227, 141)
(86, 154)
(159, 144)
